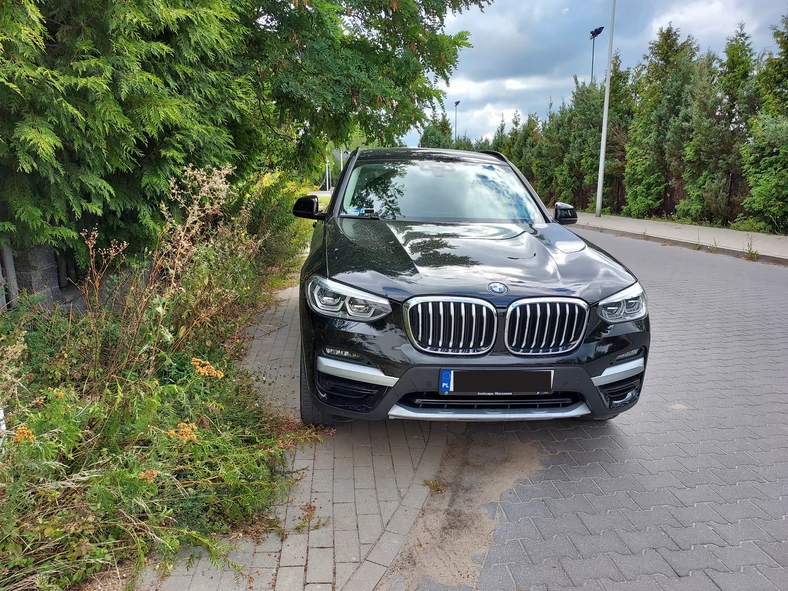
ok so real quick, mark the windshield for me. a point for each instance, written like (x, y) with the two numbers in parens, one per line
(439, 190)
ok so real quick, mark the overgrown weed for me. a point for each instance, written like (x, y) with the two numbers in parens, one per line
(128, 428)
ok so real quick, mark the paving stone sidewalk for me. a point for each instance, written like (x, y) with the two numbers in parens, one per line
(767, 247)
(365, 482)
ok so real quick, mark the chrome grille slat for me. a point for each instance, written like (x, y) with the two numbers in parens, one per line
(440, 339)
(546, 325)
(538, 318)
(451, 310)
(473, 326)
(527, 326)
(462, 323)
(557, 323)
(455, 325)
(552, 326)
(429, 313)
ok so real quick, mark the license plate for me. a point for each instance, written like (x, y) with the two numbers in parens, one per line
(495, 382)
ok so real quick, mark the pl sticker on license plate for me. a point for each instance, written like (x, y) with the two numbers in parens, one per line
(447, 376)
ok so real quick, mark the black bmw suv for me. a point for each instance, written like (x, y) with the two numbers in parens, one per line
(439, 287)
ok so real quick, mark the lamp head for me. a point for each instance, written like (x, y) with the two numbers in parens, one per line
(596, 32)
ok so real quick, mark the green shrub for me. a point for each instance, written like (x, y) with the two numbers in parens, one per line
(129, 428)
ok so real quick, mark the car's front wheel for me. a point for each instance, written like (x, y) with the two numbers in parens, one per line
(310, 414)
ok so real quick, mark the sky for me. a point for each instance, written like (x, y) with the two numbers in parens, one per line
(526, 52)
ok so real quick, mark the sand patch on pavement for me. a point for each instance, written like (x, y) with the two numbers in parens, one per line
(455, 526)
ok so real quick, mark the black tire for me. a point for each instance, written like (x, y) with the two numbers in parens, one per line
(311, 415)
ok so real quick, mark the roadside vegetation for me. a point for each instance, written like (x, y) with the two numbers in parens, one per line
(695, 137)
(131, 427)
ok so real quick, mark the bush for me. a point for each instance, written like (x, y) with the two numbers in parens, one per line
(129, 428)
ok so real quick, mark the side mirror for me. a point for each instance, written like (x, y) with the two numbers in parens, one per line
(307, 207)
(565, 214)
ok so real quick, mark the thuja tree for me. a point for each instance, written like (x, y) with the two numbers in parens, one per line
(102, 102)
(766, 155)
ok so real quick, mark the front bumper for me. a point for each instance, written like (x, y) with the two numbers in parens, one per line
(394, 380)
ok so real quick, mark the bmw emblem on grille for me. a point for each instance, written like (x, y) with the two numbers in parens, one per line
(497, 288)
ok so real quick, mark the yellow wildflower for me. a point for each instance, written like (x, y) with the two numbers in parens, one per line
(186, 431)
(24, 434)
(205, 369)
(148, 475)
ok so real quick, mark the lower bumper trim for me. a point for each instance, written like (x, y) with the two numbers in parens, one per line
(619, 372)
(481, 415)
(354, 371)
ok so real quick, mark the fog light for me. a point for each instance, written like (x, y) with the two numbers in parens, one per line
(342, 354)
(628, 355)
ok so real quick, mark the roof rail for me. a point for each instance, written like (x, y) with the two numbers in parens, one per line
(498, 155)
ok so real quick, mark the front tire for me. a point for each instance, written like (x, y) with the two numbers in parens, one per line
(311, 415)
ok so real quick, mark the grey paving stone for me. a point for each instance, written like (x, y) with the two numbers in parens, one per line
(320, 568)
(179, 582)
(589, 545)
(343, 571)
(643, 583)
(364, 476)
(744, 554)
(402, 520)
(387, 509)
(581, 570)
(294, 550)
(346, 546)
(540, 550)
(366, 578)
(650, 562)
(370, 528)
(345, 516)
(260, 579)
(416, 496)
(386, 549)
(528, 576)
(510, 552)
(496, 578)
(322, 537)
(367, 502)
(344, 490)
(290, 578)
(748, 579)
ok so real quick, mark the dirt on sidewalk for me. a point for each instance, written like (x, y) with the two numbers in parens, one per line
(450, 539)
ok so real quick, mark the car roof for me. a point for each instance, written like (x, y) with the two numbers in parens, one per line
(383, 154)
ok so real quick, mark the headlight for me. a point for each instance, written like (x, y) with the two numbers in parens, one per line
(330, 298)
(626, 305)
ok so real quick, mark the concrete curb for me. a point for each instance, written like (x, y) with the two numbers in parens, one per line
(761, 258)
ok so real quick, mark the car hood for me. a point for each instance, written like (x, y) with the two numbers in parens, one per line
(400, 259)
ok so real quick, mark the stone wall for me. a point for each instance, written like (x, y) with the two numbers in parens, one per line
(37, 273)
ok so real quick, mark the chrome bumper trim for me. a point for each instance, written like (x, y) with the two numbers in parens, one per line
(621, 371)
(537, 414)
(353, 371)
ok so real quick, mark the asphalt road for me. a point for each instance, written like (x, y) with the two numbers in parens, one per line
(689, 490)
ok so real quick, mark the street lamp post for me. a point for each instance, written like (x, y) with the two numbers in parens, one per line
(601, 177)
(594, 34)
(455, 122)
